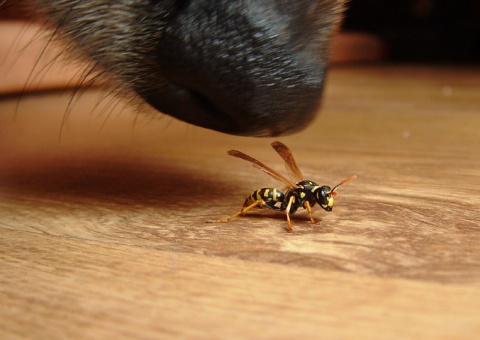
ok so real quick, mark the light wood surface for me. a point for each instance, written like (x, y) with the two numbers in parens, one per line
(103, 233)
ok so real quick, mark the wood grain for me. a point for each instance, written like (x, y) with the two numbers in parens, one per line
(103, 233)
(79, 288)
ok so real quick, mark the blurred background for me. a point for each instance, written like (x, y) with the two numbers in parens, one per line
(420, 30)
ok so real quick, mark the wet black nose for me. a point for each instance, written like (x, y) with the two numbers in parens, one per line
(245, 67)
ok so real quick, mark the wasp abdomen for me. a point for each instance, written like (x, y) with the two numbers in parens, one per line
(270, 196)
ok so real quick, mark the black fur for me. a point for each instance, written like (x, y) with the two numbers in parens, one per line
(245, 67)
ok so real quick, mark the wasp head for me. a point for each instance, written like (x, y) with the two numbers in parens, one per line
(324, 197)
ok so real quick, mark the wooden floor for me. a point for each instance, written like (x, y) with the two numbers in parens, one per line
(103, 233)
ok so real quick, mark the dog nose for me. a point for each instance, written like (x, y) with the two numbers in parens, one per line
(253, 68)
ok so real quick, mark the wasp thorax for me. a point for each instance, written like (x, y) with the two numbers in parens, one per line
(324, 197)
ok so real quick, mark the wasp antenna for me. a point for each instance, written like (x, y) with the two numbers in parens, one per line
(346, 180)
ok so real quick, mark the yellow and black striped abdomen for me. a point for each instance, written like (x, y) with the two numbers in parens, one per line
(270, 197)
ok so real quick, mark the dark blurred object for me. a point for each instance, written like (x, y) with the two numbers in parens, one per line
(421, 30)
(14, 9)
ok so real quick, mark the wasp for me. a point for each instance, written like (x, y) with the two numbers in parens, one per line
(301, 194)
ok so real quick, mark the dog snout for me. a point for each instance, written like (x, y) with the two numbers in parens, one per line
(253, 68)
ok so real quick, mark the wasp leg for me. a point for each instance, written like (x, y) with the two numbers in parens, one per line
(243, 211)
(309, 209)
(289, 205)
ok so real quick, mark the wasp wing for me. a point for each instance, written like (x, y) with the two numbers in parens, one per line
(259, 165)
(290, 163)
